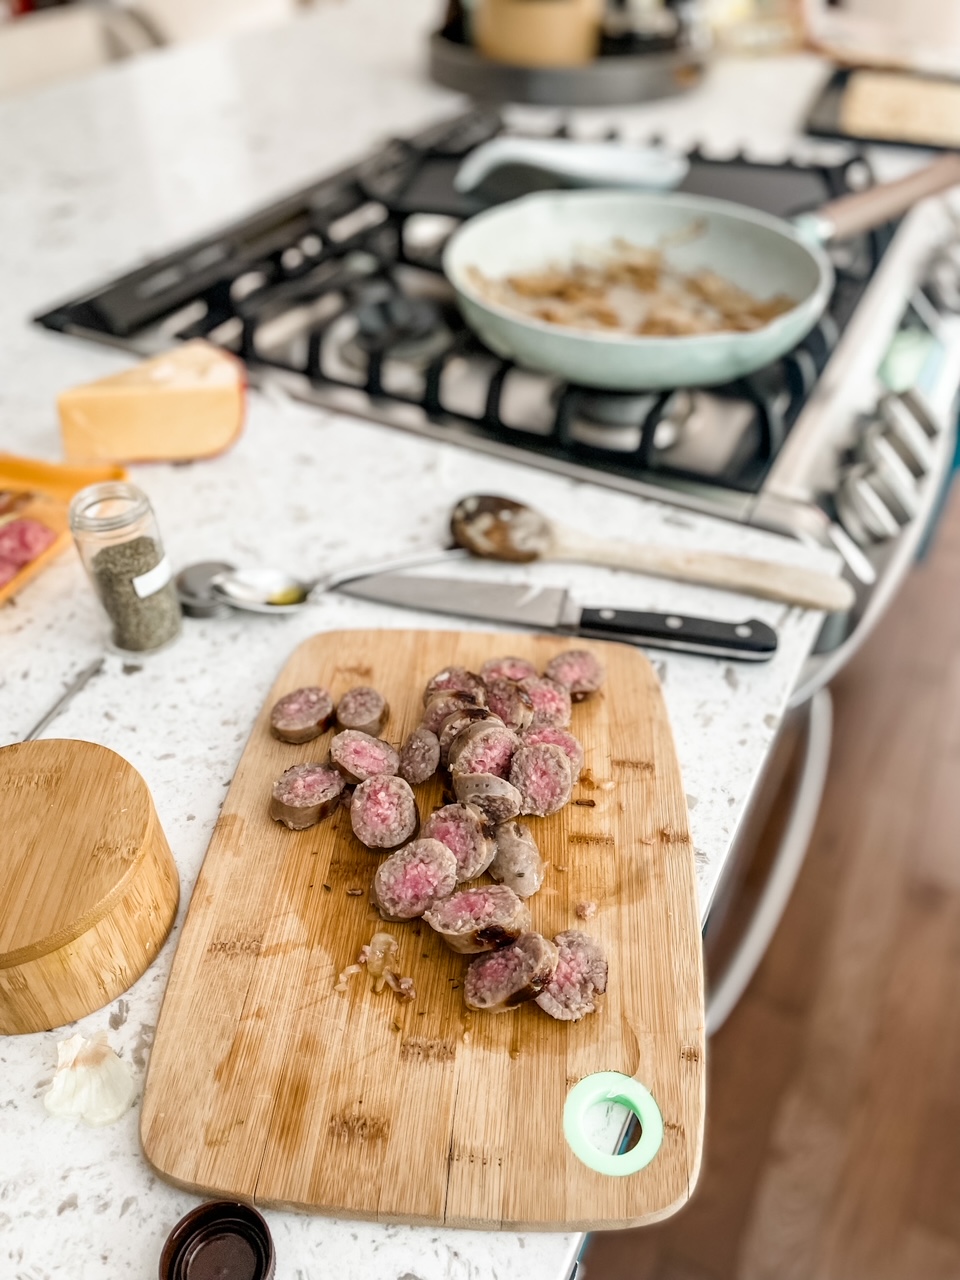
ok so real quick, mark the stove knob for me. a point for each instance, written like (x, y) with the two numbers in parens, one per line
(862, 509)
(906, 433)
(942, 282)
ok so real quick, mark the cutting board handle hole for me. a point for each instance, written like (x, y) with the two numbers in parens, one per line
(602, 1095)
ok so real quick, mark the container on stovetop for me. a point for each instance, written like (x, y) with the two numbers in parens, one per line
(119, 542)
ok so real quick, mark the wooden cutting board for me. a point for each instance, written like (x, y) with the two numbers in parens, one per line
(268, 1085)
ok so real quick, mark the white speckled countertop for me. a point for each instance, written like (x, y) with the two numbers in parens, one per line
(98, 175)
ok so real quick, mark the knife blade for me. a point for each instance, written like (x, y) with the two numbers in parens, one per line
(552, 609)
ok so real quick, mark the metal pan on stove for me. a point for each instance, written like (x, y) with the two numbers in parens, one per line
(764, 255)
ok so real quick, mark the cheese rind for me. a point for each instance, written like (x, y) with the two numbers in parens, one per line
(187, 403)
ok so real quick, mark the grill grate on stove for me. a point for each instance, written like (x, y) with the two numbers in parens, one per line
(341, 284)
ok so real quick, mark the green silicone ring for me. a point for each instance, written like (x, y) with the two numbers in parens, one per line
(612, 1086)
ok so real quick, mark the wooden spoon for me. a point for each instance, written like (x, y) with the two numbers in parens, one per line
(500, 529)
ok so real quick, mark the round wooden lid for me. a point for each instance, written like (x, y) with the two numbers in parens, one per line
(74, 822)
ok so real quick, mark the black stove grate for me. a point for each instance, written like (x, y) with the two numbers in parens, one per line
(341, 284)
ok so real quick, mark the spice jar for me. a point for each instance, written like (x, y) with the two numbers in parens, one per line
(119, 543)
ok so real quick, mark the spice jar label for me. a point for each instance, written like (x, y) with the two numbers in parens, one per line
(150, 582)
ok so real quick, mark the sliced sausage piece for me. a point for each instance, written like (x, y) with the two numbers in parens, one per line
(453, 724)
(413, 879)
(304, 794)
(486, 747)
(580, 977)
(543, 776)
(506, 978)
(465, 833)
(455, 680)
(517, 862)
(579, 671)
(420, 756)
(363, 709)
(358, 756)
(383, 813)
(301, 715)
(494, 798)
(22, 540)
(507, 669)
(510, 702)
(442, 705)
(477, 920)
(551, 702)
(560, 738)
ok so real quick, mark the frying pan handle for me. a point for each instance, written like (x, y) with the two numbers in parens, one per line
(851, 215)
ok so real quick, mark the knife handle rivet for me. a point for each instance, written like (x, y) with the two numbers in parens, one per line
(743, 631)
(673, 622)
(607, 614)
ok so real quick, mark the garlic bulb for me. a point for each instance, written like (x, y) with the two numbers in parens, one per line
(90, 1082)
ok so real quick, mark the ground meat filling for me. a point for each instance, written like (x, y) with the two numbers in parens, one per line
(301, 715)
(512, 704)
(517, 862)
(551, 702)
(478, 920)
(495, 798)
(358, 756)
(420, 756)
(580, 977)
(364, 709)
(304, 794)
(413, 879)
(464, 833)
(506, 978)
(543, 777)
(578, 671)
(442, 705)
(455, 680)
(560, 738)
(486, 747)
(507, 669)
(383, 813)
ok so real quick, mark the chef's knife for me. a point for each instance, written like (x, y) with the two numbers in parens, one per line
(551, 609)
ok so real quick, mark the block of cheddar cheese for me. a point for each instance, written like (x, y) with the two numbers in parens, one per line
(187, 403)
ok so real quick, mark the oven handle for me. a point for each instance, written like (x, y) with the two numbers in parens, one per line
(726, 992)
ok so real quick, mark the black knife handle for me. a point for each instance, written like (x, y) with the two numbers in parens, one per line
(752, 641)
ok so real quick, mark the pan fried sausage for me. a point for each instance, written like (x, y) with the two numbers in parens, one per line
(478, 920)
(304, 794)
(580, 977)
(358, 756)
(301, 715)
(363, 709)
(413, 879)
(506, 978)
(543, 777)
(383, 813)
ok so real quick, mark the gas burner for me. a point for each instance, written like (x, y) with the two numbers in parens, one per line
(340, 287)
(411, 330)
(616, 408)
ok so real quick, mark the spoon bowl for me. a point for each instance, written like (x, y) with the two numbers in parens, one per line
(263, 590)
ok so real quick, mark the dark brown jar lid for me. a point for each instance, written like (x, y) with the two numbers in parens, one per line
(221, 1240)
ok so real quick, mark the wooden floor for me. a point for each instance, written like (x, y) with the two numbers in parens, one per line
(833, 1138)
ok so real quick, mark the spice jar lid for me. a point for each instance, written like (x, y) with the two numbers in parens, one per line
(221, 1240)
(195, 589)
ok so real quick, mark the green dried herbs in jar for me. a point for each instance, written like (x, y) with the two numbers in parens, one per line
(117, 536)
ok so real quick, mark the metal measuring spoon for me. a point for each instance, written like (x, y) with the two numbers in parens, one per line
(277, 591)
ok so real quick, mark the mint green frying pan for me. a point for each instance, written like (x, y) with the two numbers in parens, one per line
(762, 254)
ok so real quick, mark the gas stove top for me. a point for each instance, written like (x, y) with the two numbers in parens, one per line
(337, 293)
